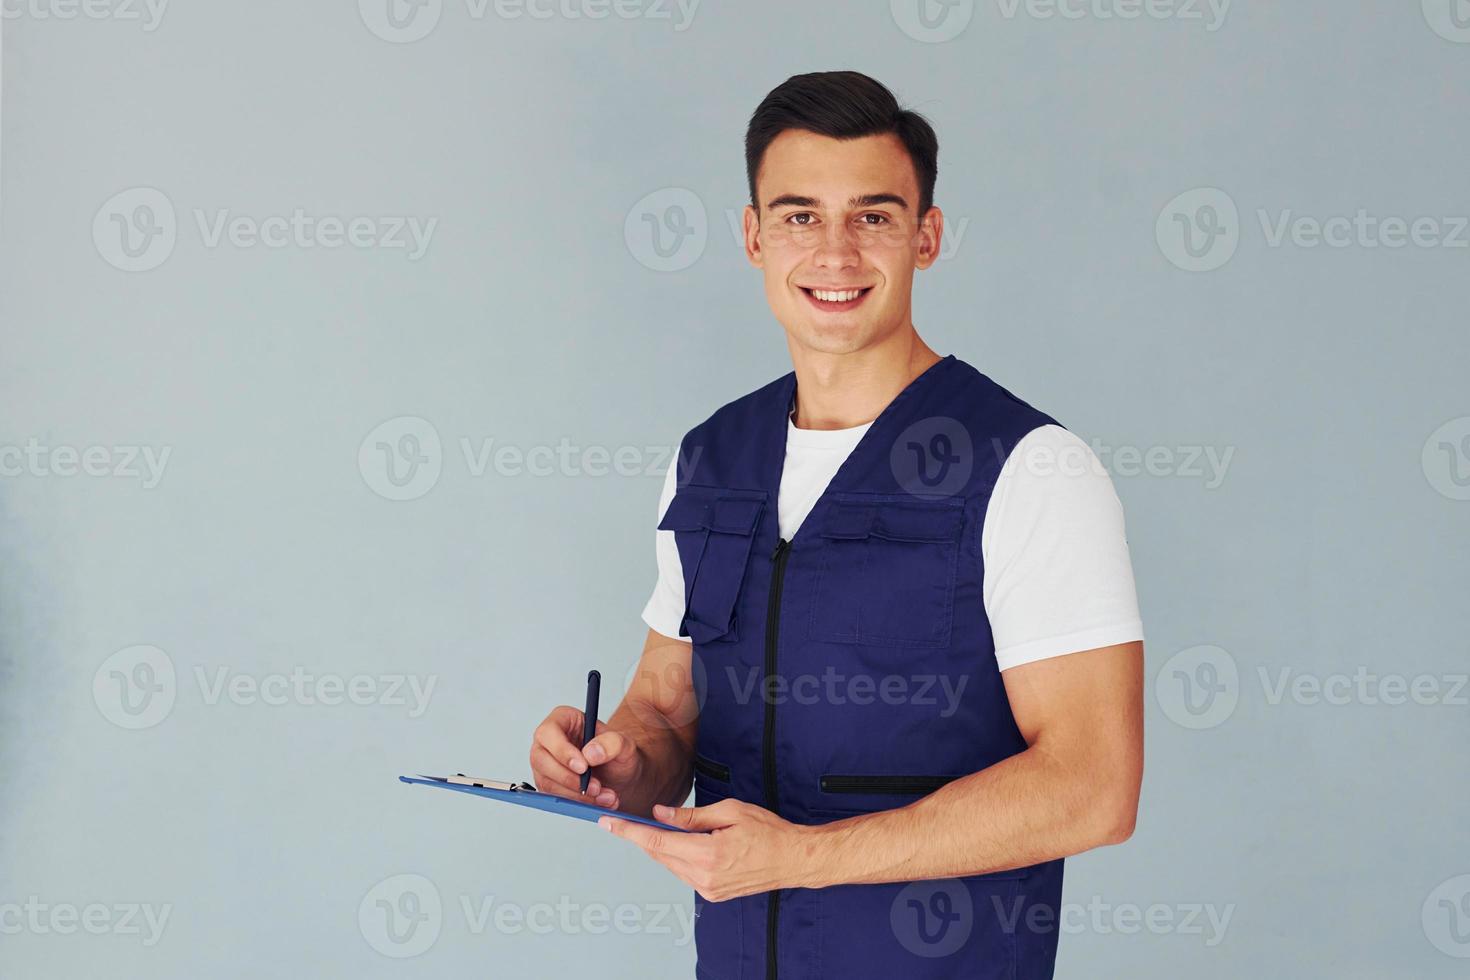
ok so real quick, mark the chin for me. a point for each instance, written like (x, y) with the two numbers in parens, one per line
(832, 339)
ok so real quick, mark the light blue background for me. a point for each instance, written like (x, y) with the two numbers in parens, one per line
(533, 318)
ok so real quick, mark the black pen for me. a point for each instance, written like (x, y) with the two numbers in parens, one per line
(589, 719)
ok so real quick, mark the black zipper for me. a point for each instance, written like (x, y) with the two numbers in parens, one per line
(917, 785)
(712, 769)
(768, 739)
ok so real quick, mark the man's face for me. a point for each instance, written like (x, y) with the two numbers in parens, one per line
(838, 238)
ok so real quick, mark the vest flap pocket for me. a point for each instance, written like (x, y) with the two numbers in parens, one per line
(849, 521)
(920, 522)
(887, 570)
(854, 520)
(712, 509)
(687, 512)
(735, 515)
(714, 528)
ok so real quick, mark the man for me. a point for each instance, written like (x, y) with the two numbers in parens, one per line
(912, 679)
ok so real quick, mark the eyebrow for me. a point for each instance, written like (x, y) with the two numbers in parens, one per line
(860, 201)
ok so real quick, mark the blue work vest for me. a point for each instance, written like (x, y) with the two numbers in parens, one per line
(852, 670)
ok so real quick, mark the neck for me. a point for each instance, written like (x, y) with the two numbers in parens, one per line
(839, 391)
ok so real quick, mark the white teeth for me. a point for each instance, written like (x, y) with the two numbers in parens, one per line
(830, 296)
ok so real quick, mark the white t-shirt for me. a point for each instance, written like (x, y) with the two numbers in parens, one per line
(1058, 578)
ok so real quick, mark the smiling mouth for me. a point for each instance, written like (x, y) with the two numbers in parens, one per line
(836, 300)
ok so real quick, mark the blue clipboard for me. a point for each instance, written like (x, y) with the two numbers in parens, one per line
(524, 794)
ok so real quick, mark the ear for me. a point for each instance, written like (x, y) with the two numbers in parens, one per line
(930, 233)
(751, 226)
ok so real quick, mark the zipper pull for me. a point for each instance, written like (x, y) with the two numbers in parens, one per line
(781, 545)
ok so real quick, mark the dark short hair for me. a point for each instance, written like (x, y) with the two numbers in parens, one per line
(842, 105)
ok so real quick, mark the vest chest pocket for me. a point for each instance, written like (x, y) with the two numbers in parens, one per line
(888, 571)
(714, 529)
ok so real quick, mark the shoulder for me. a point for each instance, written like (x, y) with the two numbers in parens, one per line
(745, 409)
(734, 442)
(1052, 482)
(985, 397)
(990, 419)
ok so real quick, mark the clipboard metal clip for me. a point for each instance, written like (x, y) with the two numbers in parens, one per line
(460, 779)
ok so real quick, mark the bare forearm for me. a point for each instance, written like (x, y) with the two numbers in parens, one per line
(1026, 809)
(665, 750)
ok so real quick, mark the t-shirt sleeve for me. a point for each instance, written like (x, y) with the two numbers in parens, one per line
(665, 608)
(1058, 578)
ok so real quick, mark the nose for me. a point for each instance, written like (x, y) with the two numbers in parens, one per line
(837, 247)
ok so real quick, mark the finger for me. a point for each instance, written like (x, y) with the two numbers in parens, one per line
(683, 847)
(551, 776)
(607, 746)
(697, 818)
(552, 735)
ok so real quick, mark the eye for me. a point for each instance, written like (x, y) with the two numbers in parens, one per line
(792, 218)
(879, 219)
